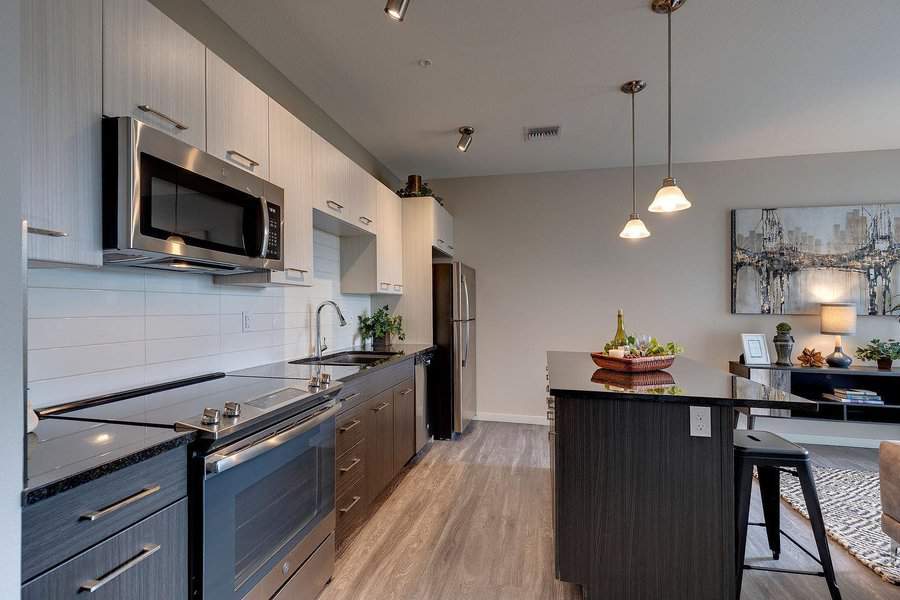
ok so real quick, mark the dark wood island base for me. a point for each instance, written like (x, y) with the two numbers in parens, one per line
(642, 508)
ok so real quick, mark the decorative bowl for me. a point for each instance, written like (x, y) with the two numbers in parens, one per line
(632, 364)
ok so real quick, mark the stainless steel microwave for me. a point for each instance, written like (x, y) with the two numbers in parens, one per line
(168, 205)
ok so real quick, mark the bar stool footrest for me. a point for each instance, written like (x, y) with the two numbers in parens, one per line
(793, 541)
(789, 571)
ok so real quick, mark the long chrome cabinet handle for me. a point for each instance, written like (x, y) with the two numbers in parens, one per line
(334, 205)
(347, 428)
(97, 514)
(47, 232)
(92, 585)
(350, 506)
(350, 397)
(149, 109)
(365, 220)
(249, 160)
(405, 392)
(350, 467)
(219, 463)
(383, 406)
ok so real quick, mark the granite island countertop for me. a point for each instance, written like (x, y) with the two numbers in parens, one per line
(63, 454)
(574, 374)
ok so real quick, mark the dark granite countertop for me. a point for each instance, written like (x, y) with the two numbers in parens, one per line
(287, 370)
(63, 454)
(574, 374)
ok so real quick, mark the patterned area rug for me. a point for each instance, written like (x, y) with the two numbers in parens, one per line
(851, 507)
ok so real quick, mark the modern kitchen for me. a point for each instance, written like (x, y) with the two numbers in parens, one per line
(412, 300)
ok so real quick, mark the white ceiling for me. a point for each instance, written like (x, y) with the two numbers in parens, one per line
(753, 78)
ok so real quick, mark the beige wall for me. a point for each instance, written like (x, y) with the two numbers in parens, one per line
(552, 270)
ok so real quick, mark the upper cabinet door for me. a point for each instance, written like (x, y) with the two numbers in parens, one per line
(61, 102)
(153, 70)
(442, 225)
(363, 198)
(390, 241)
(290, 168)
(331, 179)
(237, 118)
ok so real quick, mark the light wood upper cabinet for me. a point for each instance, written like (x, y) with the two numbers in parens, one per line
(390, 241)
(153, 70)
(374, 265)
(290, 168)
(61, 102)
(330, 179)
(443, 230)
(237, 121)
(363, 198)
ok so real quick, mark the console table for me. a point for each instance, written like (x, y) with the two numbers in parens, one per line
(812, 382)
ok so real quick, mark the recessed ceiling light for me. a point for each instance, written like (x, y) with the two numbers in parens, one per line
(424, 62)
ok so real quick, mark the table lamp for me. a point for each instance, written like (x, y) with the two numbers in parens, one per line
(837, 320)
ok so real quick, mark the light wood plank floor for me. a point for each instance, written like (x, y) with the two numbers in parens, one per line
(471, 520)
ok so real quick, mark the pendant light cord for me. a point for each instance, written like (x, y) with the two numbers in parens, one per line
(633, 160)
(670, 87)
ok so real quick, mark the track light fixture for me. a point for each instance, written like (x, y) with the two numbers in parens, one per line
(396, 9)
(465, 139)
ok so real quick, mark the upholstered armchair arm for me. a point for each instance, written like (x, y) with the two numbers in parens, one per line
(890, 487)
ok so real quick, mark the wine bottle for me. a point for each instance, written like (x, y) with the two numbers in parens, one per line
(621, 338)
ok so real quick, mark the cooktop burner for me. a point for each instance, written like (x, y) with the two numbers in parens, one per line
(216, 406)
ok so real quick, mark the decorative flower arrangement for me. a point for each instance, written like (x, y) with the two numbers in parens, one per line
(646, 346)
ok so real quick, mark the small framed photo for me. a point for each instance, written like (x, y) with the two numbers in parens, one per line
(756, 349)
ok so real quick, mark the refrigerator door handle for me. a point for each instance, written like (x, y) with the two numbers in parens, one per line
(465, 359)
(465, 285)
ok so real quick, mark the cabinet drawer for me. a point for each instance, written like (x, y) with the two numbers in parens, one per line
(350, 428)
(147, 561)
(60, 527)
(350, 467)
(352, 507)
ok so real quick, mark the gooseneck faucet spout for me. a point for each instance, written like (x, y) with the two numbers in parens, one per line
(320, 347)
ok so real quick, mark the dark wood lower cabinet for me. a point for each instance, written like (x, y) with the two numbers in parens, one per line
(380, 442)
(404, 423)
(147, 561)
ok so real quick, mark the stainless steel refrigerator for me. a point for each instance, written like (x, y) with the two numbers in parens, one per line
(451, 381)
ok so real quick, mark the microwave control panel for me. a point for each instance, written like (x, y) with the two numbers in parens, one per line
(273, 250)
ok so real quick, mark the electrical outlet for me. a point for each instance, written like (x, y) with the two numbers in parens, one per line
(700, 421)
(246, 322)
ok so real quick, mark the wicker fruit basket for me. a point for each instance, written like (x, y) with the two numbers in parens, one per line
(632, 364)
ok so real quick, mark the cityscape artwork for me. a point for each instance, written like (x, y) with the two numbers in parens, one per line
(790, 260)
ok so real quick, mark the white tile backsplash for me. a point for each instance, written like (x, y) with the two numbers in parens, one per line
(99, 331)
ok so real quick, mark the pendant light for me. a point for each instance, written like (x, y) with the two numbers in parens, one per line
(634, 229)
(396, 9)
(669, 198)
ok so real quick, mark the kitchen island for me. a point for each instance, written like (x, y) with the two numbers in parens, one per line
(643, 476)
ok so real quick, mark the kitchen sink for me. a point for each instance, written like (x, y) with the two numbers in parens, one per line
(345, 359)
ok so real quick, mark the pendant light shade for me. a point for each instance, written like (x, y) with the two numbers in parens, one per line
(396, 9)
(669, 198)
(634, 228)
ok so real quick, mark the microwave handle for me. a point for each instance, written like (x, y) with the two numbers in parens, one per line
(264, 245)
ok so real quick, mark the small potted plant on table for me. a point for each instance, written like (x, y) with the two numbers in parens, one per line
(380, 326)
(884, 353)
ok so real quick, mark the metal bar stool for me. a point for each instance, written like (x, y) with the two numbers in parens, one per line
(773, 455)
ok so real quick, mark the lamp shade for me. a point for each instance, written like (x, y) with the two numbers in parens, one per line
(838, 319)
(634, 229)
(669, 198)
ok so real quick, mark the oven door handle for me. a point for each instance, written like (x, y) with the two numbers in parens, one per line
(217, 463)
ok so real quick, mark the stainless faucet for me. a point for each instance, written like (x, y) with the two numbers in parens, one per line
(320, 347)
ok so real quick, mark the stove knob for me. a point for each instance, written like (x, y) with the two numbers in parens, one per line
(325, 379)
(210, 416)
(314, 382)
(232, 409)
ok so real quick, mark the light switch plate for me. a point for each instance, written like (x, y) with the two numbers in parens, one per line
(700, 421)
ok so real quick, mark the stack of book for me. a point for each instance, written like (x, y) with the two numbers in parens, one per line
(854, 396)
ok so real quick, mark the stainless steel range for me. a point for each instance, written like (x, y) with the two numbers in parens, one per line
(262, 478)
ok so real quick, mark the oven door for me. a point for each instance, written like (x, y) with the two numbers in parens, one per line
(263, 499)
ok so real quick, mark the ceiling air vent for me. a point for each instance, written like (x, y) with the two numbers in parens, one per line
(533, 134)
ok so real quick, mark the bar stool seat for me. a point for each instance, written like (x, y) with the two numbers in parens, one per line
(772, 455)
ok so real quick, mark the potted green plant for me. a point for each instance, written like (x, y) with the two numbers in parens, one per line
(380, 326)
(784, 344)
(884, 353)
